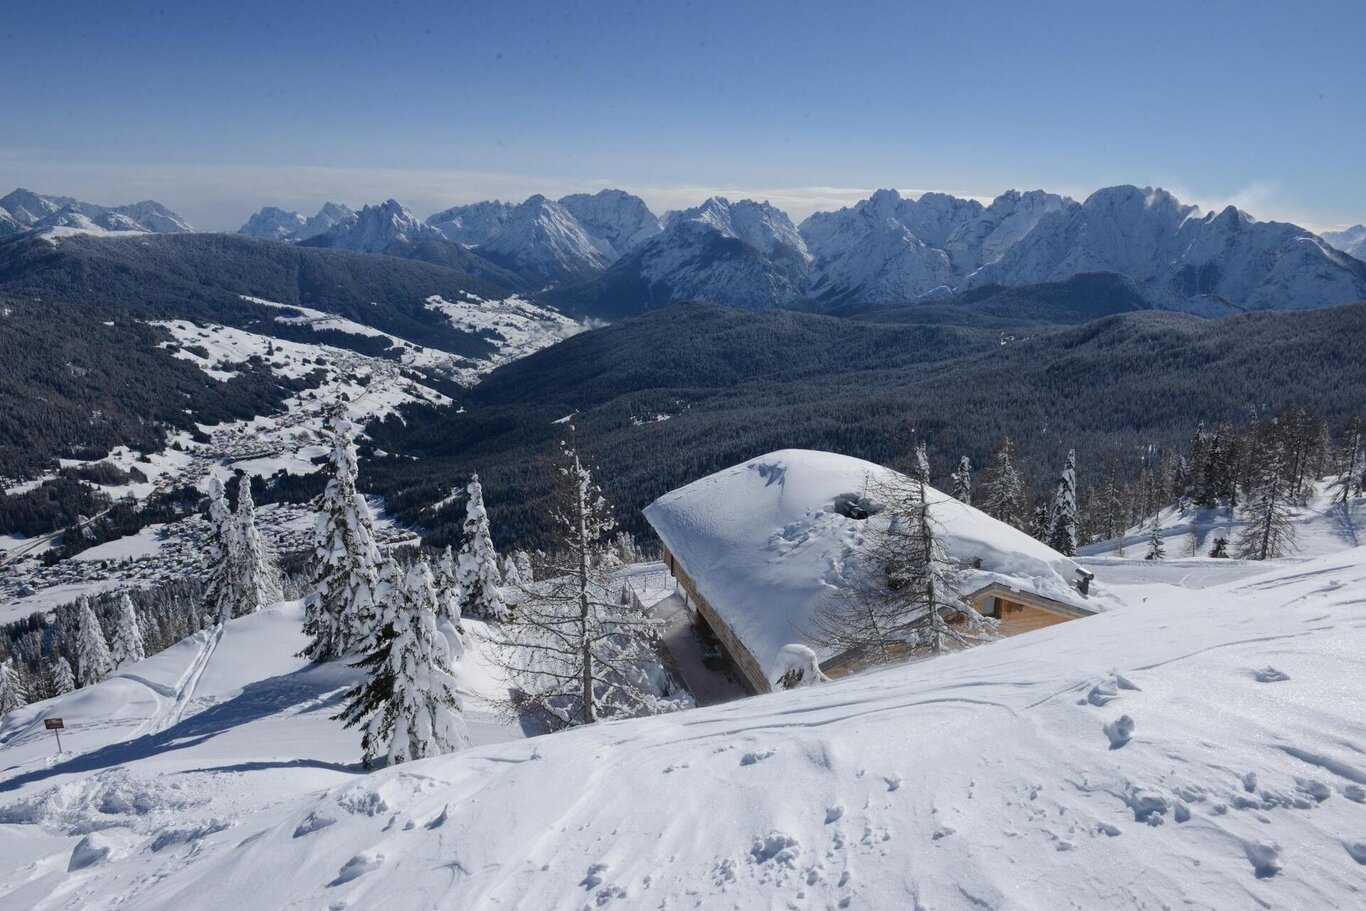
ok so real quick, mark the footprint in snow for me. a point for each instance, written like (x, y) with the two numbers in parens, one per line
(754, 756)
(1357, 849)
(1269, 674)
(1120, 731)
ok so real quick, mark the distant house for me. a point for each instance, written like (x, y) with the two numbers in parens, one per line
(757, 547)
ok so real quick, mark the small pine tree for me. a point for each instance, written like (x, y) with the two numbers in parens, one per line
(407, 707)
(1156, 549)
(1042, 524)
(127, 646)
(576, 652)
(220, 593)
(92, 651)
(1003, 491)
(962, 481)
(1220, 549)
(60, 679)
(477, 565)
(13, 693)
(258, 580)
(447, 589)
(1268, 531)
(920, 467)
(1062, 534)
(342, 616)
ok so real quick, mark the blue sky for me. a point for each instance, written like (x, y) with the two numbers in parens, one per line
(218, 108)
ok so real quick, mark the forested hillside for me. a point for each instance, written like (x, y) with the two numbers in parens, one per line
(203, 277)
(656, 415)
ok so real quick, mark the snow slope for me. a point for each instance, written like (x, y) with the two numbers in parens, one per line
(1004, 776)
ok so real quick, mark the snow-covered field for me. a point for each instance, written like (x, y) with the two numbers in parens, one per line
(1197, 746)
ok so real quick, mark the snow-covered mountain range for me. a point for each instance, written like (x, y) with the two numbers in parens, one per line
(275, 223)
(1351, 241)
(607, 254)
(890, 249)
(23, 210)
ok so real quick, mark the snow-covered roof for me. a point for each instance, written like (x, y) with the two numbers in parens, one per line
(763, 543)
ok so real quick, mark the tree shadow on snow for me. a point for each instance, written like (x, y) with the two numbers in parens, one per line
(256, 701)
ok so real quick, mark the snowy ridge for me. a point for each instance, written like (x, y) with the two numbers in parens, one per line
(1147, 234)
(274, 223)
(1351, 241)
(23, 210)
(376, 228)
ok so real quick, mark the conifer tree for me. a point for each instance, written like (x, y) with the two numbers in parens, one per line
(962, 481)
(1349, 481)
(920, 467)
(258, 580)
(1062, 535)
(92, 651)
(223, 551)
(1042, 525)
(342, 614)
(576, 652)
(127, 645)
(407, 707)
(1003, 492)
(1268, 531)
(907, 600)
(477, 564)
(1156, 549)
(447, 589)
(60, 678)
(13, 693)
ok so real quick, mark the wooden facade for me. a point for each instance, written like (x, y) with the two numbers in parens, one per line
(1018, 612)
(754, 677)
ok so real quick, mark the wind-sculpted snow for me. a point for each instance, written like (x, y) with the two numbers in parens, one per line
(1004, 776)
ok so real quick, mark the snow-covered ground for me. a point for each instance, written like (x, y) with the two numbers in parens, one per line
(1195, 746)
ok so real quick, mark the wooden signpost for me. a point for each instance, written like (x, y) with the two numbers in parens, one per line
(55, 725)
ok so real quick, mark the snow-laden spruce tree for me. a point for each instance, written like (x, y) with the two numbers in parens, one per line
(1062, 534)
(223, 554)
(577, 653)
(407, 707)
(93, 660)
(1042, 524)
(906, 600)
(1156, 549)
(920, 465)
(342, 613)
(962, 481)
(477, 564)
(13, 693)
(447, 589)
(258, 579)
(1003, 492)
(126, 646)
(60, 678)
